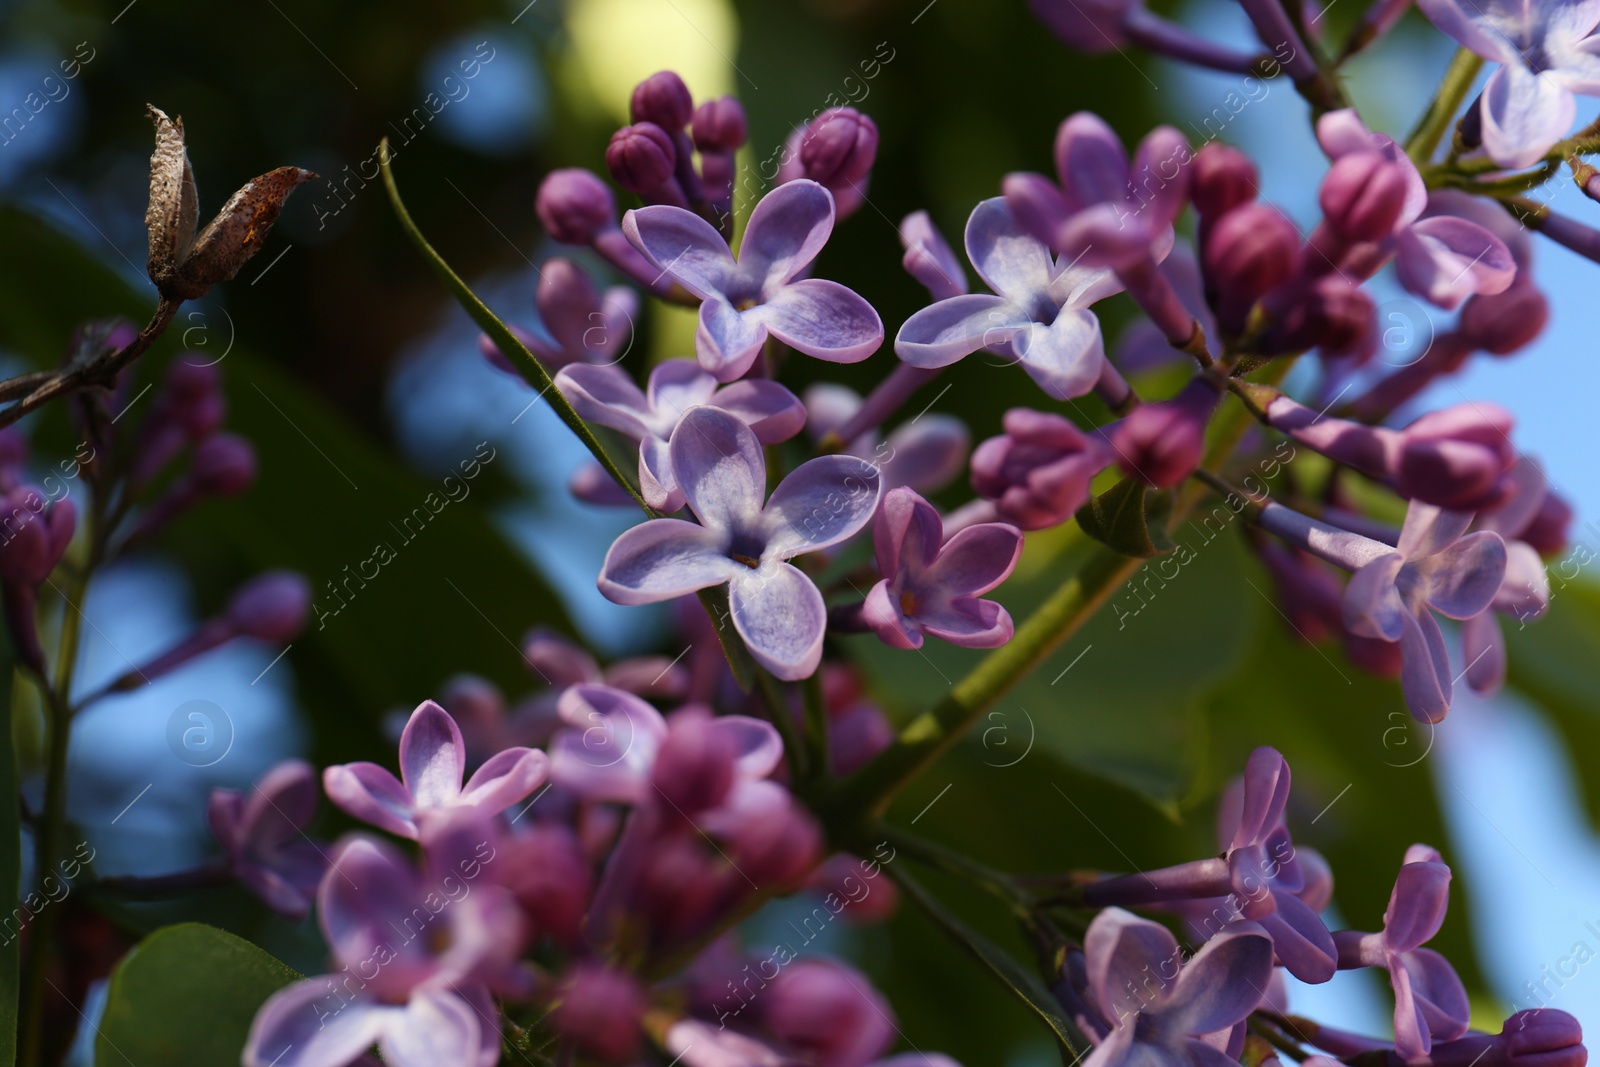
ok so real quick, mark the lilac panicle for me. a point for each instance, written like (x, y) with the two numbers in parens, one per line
(1039, 317)
(1547, 54)
(607, 395)
(1157, 1018)
(262, 834)
(1039, 471)
(741, 542)
(933, 586)
(765, 291)
(432, 765)
(929, 258)
(1430, 1003)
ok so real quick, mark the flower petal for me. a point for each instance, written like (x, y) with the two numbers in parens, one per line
(610, 747)
(727, 341)
(433, 756)
(906, 534)
(758, 748)
(606, 395)
(976, 559)
(1010, 260)
(1429, 528)
(1372, 603)
(1263, 795)
(786, 230)
(1438, 992)
(279, 804)
(1425, 667)
(1525, 593)
(774, 413)
(675, 386)
(373, 795)
(1462, 580)
(684, 246)
(664, 559)
(717, 462)
(1090, 161)
(944, 332)
(370, 885)
(1524, 114)
(822, 502)
(1224, 982)
(1125, 956)
(1417, 906)
(1484, 649)
(1472, 27)
(436, 1029)
(1445, 260)
(882, 613)
(1303, 945)
(507, 777)
(1066, 357)
(929, 258)
(304, 1025)
(657, 484)
(965, 621)
(926, 454)
(822, 319)
(781, 617)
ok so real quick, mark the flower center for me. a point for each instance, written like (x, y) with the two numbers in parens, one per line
(908, 603)
(749, 561)
(746, 304)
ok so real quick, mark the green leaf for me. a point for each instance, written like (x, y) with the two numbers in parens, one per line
(1121, 518)
(186, 995)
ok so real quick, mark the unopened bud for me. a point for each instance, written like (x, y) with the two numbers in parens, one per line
(719, 125)
(641, 157)
(224, 465)
(662, 99)
(1223, 178)
(574, 206)
(271, 607)
(1362, 196)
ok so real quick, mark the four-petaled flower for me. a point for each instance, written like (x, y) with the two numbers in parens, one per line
(741, 542)
(263, 835)
(608, 396)
(433, 758)
(933, 586)
(1040, 316)
(765, 291)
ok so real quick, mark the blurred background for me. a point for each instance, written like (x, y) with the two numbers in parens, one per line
(361, 385)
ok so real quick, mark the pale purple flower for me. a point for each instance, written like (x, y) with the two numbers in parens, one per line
(1524, 594)
(608, 396)
(263, 836)
(929, 258)
(1160, 1007)
(577, 324)
(1434, 568)
(742, 542)
(433, 759)
(419, 953)
(765, 291)
(1430, 1002)
(1548, 52)
(1442, 258)
(926, 453)
(933, 586)
(1038, 314)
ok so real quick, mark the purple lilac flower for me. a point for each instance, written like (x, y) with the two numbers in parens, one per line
(1394, 591)
(765, 291)
(933, 586)
(741, 542)
(577, 323)
(1430, 1003)
(925, 454)
(1442, 258)
(1547, 51)
(433, 759)
(419, 952)
(1159, 1007)
(1038, 473)
(1040, 316)
(263, 836)
(1525, 592)
(929, 258)
(608, 396)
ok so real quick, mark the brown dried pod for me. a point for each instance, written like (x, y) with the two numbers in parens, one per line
(185, 261)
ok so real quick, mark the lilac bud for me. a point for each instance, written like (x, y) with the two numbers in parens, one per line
(662, 99)
(1037, 473)
(602, 1012)
(569, 307)
(224, 465)
(839, 147)
(34, 535)
(1362, 196)
(271, 607)
(779, 846)
(694, 766)
(641, 157)
(680, 887)
(1088, 25)
(1222, 179)
(1456, 457)
(929, 258)
(1247, 251)
(1504, 322)
(1543, 1037)
(1334, 314)
(1162, 443)
(1547, 532)
(719, 125)
(551, 879)
(827, 1011)
(1037, 203)
(574, 206)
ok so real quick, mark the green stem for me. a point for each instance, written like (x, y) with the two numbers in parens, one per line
(778, 712)
(933, 854)
(1424, 140)
(817, 727)
(1513, 185)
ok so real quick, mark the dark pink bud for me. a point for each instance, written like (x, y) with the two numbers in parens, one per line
(641, 157)
(662, 99)
(1247, 251)
(1502, 323)
(1222, 178)
(602, 1012)
(719, 125)
(780, 845)
(1038, 473)
(224, 465)
(681, 887)
(694, 767)
(574, 206)
(828, 1011)
(1362, 196)
(1037, 203)
(1548, 532)
(838, 148)
(551, 880)
(1456, 457)
(271, 607)
(34, 535)
(1335, 315)
(1162, 443)
(1543, 1037)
